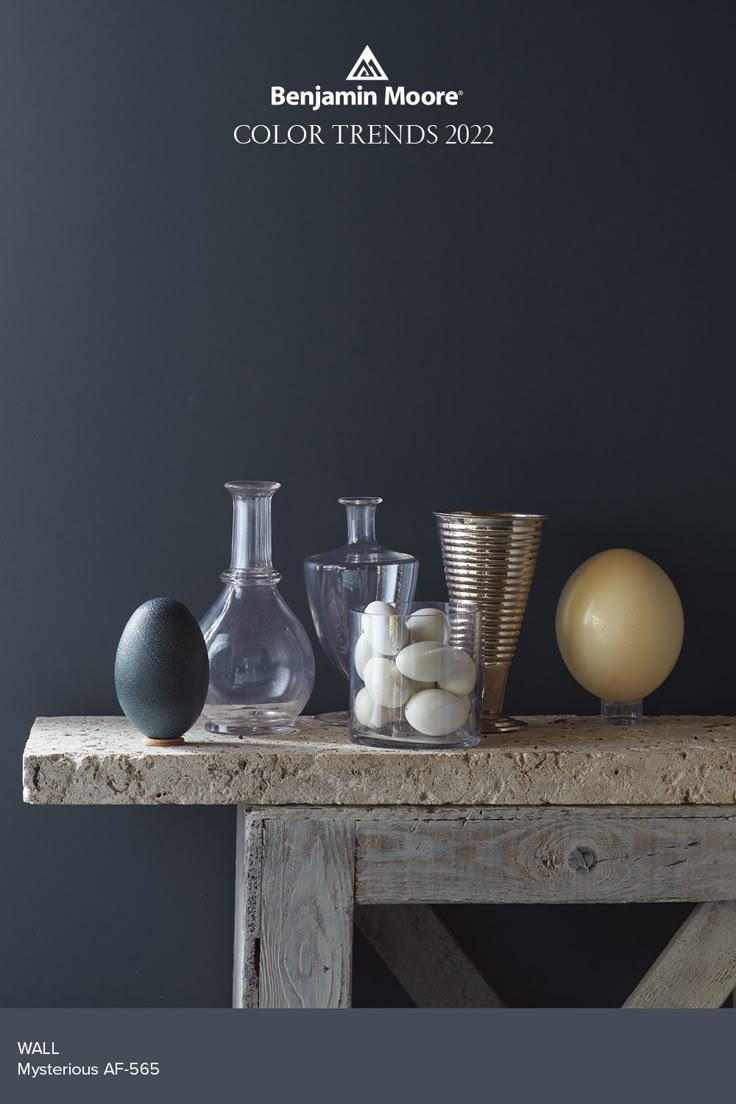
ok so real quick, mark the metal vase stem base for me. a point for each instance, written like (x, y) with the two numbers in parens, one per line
(489, 559)
(495, 677)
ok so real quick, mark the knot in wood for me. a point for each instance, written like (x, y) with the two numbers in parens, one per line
(582, 859)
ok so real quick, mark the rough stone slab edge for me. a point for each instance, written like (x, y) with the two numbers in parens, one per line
(579, 774)
(561, 779)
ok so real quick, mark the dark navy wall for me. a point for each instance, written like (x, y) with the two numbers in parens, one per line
(544, 324)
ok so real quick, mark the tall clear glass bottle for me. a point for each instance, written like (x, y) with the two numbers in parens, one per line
(359, 572)
(261, 661)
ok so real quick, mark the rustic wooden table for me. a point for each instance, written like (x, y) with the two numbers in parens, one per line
(330, 832)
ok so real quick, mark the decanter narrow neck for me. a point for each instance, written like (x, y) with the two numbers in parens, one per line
(251, 544)
(361, 517)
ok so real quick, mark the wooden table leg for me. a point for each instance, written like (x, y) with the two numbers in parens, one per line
(248, 860)
(306, 910)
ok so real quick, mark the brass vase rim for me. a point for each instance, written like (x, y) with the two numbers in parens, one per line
(489, 514)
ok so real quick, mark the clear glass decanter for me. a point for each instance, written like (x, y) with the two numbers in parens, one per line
(261, 661)
(360, 572)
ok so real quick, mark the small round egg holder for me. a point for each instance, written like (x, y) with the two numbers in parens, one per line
(628, 713)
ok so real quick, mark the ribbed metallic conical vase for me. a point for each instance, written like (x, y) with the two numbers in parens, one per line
(490, 559)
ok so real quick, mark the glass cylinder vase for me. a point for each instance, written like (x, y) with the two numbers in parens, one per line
(261, 661)
(415, 675)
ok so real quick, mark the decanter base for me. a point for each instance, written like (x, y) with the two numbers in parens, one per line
(338, 719)
(250, 721)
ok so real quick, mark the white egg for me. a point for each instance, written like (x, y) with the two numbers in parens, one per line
(428, 624)
(451, 668)
(422, 661)
(368, 713)
(460, 674)
(436, 712)
(385, 628)
(386, 685)
(363, 652)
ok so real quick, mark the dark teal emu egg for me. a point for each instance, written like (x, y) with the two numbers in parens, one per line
(161, 669)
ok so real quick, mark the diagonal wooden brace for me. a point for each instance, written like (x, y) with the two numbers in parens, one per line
(697, 968)
(425, 957)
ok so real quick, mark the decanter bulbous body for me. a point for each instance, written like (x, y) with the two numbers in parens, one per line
(261, 661)
(359, 572)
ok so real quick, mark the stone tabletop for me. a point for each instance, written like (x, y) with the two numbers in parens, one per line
(555, 761)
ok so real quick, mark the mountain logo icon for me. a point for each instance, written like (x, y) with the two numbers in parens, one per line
(367, 67)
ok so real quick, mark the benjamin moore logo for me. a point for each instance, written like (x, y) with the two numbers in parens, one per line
(366, 85)
(367, 67)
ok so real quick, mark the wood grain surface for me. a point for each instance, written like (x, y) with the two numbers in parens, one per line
(247, 928)
(547, 857)
(306, 914)
(697, 968)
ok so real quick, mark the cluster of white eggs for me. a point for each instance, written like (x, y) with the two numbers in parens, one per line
(408, 664)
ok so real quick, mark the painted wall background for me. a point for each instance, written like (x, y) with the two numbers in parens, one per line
(544, 324)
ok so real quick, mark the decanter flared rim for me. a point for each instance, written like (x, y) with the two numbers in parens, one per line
(252, 487)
